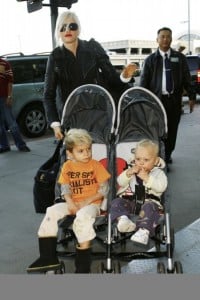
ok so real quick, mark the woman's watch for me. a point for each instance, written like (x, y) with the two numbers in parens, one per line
(9, 97)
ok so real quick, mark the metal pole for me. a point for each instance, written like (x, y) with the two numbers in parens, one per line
(54, 15)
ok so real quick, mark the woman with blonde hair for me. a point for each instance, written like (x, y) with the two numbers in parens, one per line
(75, 62)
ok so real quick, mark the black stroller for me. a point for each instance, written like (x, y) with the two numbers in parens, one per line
(92, 108)
(139, 115)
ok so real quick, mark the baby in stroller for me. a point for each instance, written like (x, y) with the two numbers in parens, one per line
(84, 184)
(145, 172)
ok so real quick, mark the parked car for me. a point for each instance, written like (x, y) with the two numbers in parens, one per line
(194, 66)
(29, 71)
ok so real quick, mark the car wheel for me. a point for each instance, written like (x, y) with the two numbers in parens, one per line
(32, 121)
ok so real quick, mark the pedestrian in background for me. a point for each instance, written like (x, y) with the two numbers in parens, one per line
(7, 120)
(167, 82)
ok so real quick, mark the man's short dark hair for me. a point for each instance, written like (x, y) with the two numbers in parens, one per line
(164, 28)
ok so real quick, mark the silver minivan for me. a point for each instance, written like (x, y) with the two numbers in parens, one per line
(29, 71)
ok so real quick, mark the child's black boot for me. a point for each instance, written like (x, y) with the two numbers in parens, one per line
(48, 259)
(83, 260)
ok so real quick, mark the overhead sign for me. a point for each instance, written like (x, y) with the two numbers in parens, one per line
(33, 5)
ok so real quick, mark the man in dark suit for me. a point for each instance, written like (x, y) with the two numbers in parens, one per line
(155, 77)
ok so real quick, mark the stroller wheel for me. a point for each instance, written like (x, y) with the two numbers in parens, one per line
(178, 269)
(161, 268)
(117, 268)
(61, 270)
(102, 269)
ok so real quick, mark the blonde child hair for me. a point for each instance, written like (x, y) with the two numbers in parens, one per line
(146, 143)
(77, 136)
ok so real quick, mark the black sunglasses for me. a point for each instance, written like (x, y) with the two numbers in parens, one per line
(70, 26)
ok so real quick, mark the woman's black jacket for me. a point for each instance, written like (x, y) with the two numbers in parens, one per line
(65, 72)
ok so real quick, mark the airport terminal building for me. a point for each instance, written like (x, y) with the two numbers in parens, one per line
(123, 52)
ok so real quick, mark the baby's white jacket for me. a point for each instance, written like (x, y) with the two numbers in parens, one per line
(156, 184)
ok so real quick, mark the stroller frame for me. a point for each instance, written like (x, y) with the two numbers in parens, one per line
(117, 130)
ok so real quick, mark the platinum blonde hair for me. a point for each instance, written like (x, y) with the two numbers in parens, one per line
(76, 136)
(62, 18)
(146, 143)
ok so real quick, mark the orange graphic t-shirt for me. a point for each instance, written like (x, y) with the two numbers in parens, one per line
(83, 178)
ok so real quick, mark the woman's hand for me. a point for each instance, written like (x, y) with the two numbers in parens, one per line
(58, 133)
(129, 70)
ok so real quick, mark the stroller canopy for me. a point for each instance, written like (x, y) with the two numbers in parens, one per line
(90, 107)
(140, 115)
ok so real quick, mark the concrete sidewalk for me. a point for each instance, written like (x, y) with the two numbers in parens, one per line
(19, 222)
